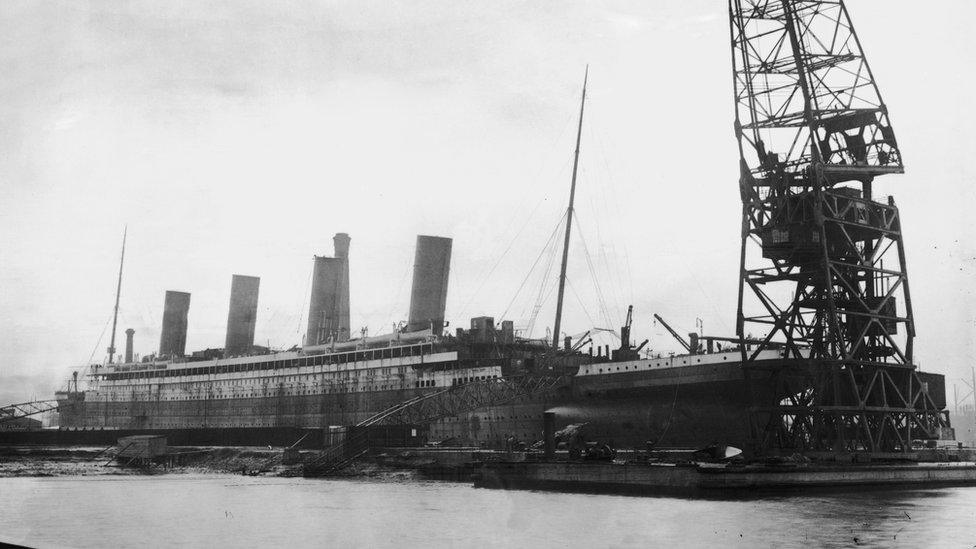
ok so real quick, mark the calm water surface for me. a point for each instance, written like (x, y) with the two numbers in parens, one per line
(232, 511)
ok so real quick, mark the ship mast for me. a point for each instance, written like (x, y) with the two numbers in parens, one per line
(118, 293)
(569, 220)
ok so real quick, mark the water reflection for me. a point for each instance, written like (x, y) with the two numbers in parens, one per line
(219, 511)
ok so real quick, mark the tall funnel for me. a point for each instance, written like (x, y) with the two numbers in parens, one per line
(172, 342)
(341, 244)
(129, 332)
(428, 298)
(328, 310)
(242, 315)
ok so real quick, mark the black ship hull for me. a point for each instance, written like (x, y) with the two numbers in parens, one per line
(683, 406)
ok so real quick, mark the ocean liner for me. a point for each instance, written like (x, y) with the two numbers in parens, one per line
(684, 399)
(699, 398)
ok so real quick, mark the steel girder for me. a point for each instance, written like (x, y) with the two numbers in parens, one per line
(464, 398)
(835, 407)
(805, 95)
(25, 409)
(822, 267)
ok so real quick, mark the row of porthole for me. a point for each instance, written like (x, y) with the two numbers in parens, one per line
(149, 398)
(463, 380)
(652, 366)
(328, 391)
(319, 361)
(499, 440)
(263, 380)
(457, 419)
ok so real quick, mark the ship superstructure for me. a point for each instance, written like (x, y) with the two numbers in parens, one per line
(690, 399)
(344, 382)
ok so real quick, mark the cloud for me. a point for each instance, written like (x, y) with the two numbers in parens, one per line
(237, 136)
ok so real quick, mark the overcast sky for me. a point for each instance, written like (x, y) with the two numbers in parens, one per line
(238, 137)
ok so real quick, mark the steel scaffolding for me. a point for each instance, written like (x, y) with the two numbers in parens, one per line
(822, 267)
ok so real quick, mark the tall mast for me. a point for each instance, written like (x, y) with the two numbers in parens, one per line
(118, 293)
(569, 220)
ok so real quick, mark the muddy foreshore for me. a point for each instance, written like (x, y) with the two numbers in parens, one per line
(50, 461)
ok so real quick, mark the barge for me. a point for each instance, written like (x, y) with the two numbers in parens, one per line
(707, 479)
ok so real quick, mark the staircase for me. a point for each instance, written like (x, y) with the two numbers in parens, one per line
(426, 409)
(336, 457)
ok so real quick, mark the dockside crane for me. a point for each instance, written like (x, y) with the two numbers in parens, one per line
(673, 333)
(822, 268)
(627, 351)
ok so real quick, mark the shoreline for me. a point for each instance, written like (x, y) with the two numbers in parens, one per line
(60, 461)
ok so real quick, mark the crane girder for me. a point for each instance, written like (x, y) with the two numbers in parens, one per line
(24, 409)
(822, 269)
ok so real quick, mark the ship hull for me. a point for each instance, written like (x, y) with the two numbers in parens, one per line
(684, 406)
(690, 406)
(246, 436)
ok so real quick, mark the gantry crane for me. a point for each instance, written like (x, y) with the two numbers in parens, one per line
(822, 266)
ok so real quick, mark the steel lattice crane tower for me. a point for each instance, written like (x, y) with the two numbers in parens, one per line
(822, 273)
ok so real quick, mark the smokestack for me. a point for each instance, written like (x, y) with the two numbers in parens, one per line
(340, 243)
(549, 433)
(428, 298)
(328, 310)
(242, 315)
(508, 331)
(128, 344)
(172, 342)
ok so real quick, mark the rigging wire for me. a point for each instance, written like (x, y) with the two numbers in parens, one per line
(552, 236)
(301, 311)
(674, 403)
(596, 282)
(552, 147)
(580, 301)
(498, 262)
(87, 367)
(545, 290)
(602, 210)
(608, 255)
(618, 214)
(721, 318)
(614, 286)
(98, 344)
(396, 300)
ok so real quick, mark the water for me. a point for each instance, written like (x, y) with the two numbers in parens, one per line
(234, 511)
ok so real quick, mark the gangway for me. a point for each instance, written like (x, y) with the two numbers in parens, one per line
(14, 412)
(425, 409)
(463, 398)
